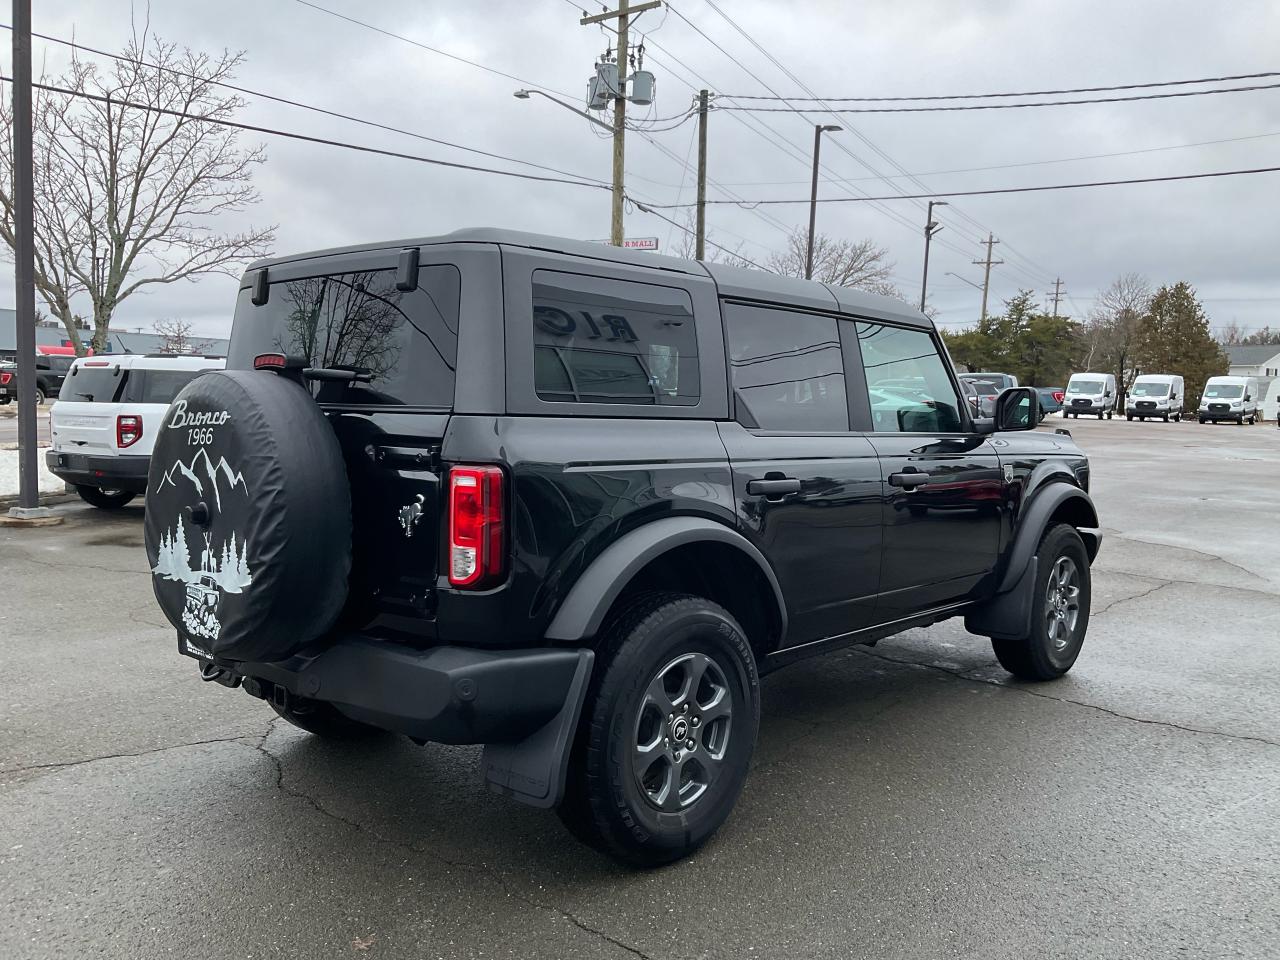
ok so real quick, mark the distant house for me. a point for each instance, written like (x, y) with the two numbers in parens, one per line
(1264, 363)
(118, 341)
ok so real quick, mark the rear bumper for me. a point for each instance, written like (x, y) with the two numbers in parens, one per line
(443, 694)
(113, 473)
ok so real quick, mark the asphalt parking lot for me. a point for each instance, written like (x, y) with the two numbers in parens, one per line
(907, 800)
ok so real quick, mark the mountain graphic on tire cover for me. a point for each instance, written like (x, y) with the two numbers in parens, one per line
(208, 568)
(248, 520)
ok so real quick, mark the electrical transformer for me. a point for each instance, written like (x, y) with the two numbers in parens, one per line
(641, 88)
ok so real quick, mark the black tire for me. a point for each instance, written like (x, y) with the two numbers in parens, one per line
(1129, 417)
(1166, 418)
(631, 814)
(40, 396)
(104, 499)
(1041, 656)
(324, 720)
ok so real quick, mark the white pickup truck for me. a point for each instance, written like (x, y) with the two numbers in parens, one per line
(103, 425)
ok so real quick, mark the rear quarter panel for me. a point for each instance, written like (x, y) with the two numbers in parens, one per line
(576, 485)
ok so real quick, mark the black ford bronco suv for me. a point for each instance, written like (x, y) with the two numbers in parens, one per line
(571, 502)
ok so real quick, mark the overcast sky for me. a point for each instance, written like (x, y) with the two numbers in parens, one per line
(1221, 234)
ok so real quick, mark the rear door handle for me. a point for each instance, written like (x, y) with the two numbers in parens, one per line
(773, 488)
(908, 481)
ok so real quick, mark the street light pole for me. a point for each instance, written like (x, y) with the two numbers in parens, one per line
(24, 261)
(930, 228)
(818, 130)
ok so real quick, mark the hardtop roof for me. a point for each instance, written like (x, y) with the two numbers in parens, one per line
(732, 282)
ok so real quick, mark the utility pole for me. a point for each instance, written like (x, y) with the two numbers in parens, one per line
(24, 266)
(987, 264)
(623, 16)
(700, 234)
(1057, 295)
(930, 228)
(818, 131)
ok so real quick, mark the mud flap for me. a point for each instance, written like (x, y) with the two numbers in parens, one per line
(533, 770)
(1006, 615)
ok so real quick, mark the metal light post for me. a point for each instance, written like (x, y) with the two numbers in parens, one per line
(526, 94)
(930, 228)
(24, 264)
(818, 130)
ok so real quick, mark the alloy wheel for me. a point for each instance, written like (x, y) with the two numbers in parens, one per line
(682, 732)
(1062, 603)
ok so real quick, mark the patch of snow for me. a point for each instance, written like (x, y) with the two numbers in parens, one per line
(9, 474)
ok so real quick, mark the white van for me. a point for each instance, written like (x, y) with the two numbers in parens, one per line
(1156, 395)
(1230, 398)
(104, 422)
(1090, 393)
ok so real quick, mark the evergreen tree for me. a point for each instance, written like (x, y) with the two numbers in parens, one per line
(1174, 338)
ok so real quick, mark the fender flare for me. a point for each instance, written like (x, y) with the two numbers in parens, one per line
(583, 609)
(1008, 613)
(1048, 493)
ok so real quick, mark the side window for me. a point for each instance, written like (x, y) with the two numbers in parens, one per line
(907, 381)
(612, 341)
(786, 369)
(158, 386)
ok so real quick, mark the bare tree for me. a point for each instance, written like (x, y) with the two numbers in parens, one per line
(1230, 334)
(1111, 333)
(176, 337)
(845, 263)
(687, 246)
(127, 195)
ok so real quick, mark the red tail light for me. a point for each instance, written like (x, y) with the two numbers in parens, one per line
(128, 430)
(475, 526)
(269, 361)
(5, 377)
(1059, 396)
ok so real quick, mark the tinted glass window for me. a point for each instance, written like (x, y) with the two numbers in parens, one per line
(787, 370)
(403, 342)
(907, 381)
(986, 386)
(612, 341)
(158, 386)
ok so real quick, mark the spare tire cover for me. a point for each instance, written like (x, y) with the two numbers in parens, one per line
(248, 517)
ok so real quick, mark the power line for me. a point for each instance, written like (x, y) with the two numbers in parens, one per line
(771, 134)
(1004, 106)
(1010, 166)
(75, 45)
(1024, 93)
(983, 193)
(431, 49)
(307, 138)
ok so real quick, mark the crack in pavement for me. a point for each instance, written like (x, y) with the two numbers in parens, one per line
(1178, 546)
(1094, 614)
(1077, 703)
(481, 870)
(84, 566)
(62, 765)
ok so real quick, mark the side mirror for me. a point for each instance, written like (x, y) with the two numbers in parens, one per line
(1017, 408)
(1247, 398)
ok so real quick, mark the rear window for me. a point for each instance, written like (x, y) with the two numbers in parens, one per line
(612, 341)
(405, 341)
(93, 385)
(986, 386)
